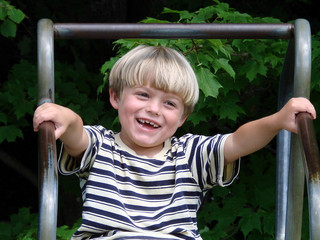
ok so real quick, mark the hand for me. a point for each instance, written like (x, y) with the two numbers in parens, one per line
(287, 115)
(61, 117)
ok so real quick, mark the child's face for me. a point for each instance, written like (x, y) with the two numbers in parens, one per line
(148, 117)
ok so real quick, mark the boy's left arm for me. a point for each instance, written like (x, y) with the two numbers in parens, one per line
(254, 135)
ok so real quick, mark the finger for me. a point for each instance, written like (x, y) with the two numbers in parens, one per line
(41, 115)
(304, 105)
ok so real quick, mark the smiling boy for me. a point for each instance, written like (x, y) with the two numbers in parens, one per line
(144, 183)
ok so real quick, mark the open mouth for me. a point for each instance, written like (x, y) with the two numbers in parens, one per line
(146, 123)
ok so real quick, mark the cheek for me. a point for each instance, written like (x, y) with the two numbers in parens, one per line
(175, 119)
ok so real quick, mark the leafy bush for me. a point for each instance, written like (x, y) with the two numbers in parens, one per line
(24, 226)
(10, 17)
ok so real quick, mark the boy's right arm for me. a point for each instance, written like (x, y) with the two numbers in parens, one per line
(68, 127)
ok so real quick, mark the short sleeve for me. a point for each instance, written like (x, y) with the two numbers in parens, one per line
(67, 165)
(206, 160)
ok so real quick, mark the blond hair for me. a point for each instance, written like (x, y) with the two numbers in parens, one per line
(164, 67)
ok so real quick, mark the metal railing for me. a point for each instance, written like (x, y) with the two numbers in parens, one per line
(294, 81)
(48, 176)
(311, 160)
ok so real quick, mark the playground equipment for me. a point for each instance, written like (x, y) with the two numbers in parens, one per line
(297, 155)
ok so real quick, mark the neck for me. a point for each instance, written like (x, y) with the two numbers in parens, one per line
(142, 150)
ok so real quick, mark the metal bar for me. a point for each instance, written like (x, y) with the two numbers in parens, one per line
(283, 146)
(302, 68)
(173, 30)
(302, 76)
(48, 181)
(48, 192)
(45, 61)
(310, 146)
(311, 157)
(295, 192)
(302, 89)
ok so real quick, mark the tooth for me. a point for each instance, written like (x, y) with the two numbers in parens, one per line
(155, 125)
(142, 121)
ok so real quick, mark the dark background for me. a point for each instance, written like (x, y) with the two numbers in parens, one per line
(18, 182)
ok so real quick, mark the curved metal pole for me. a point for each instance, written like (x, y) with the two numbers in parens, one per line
(295, 81)
(48, 181)
(283, 146)
(302, 76)
(311, 158)
(302, 89)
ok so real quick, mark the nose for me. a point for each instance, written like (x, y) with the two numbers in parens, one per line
(154, 107)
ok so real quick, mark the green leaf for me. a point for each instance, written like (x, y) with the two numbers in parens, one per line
(252, 69)
(9, 133)
(204, 14)
(3, 13)
(208, 84)
(23, 107)
(107, 66)
(65, 232)
(153, 20)
(168, 10)
(224, 64)
(250, 222)
(197, 117)
(16, 15)
(218, 46)
(8, 28)
(268, 223)
(229, 107)
(183, 14)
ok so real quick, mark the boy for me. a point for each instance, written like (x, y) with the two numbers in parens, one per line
(143, 183)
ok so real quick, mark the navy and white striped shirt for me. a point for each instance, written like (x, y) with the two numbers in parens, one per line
(127, 196)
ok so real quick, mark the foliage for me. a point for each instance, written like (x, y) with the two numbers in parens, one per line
(76, 86)
(15, 95)
(24, 226)
(10, 17)
(76, 89)
(17, 99)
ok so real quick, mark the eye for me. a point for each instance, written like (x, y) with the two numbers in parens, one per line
(170, 103)
(142, 95)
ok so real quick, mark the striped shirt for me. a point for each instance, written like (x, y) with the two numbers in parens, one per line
(128, 196)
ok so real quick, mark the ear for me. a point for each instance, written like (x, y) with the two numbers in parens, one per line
(114, 99)
(183, 120)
